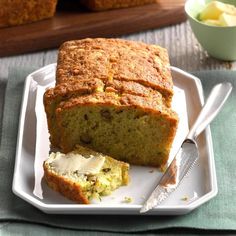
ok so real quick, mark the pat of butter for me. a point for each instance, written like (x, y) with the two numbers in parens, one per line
(227, 20)
(214, 9)
(213, 22)
(73, 162)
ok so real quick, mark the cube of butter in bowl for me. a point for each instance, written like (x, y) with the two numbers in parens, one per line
(214, 25)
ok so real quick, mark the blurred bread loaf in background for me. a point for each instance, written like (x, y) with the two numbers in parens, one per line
(101, 5)
(17, 12)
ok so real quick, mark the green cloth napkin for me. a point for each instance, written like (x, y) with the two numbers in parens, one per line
(217, 214)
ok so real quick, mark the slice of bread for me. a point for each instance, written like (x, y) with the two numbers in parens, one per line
(84, 174)
(75, 88)
(130, 128)
(63, 92)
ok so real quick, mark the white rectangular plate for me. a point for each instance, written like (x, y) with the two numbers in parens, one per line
(33, 148)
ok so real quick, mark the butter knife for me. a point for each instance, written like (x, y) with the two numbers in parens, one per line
(188, 152)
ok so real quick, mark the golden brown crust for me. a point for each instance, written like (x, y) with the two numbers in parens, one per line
(154, 106)
(116, 59)
(131, 87)
(101, 5)
(69, 89)
(17, 12)
(73, 88)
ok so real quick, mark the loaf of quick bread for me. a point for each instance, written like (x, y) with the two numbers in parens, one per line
(101, 5)
(84, 175)
(15, 12)
(113, 96)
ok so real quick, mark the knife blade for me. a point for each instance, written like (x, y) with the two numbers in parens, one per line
(188, 154)
(179, 167)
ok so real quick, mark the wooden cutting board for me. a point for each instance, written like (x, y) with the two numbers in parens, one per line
(73, 22)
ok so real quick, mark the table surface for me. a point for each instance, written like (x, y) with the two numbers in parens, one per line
(184, 52)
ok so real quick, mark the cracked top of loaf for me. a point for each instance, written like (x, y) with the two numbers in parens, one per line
(81, 87)
(115, 59)
(152, 104)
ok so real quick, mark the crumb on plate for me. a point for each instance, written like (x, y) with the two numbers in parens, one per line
(185, 198)
(127, 199)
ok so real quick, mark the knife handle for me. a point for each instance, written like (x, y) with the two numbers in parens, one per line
(213, 105)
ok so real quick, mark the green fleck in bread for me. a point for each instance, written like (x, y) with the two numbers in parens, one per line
(82, 183)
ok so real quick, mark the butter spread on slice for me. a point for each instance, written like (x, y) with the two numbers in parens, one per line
(73, 162)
